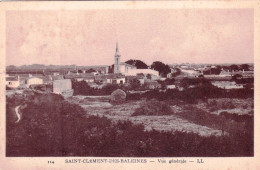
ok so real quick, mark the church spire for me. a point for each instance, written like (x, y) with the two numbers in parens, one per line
(117, 60)
(117, 50)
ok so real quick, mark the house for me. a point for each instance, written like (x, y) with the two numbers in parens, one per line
(12, 82)
(23, 79)
(151, 84)
(170, 87)
(100, 79)
(190, 72)
(63, 87)
(88, 77)
(225, 73)
(110, 78)
(34, 81)
(133, 72)
(57, 77)
(129, 79)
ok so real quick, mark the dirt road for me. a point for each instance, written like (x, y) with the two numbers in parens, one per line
(17, 113)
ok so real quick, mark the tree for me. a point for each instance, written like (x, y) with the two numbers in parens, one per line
(175, 74)
(161, 67)
(169, 81)
(109, 88)
(245, 67)
(237, 76)
(234, 67)
(90, 70)
(138, 63)
(81, 88)
(149, 76)
(135, 84)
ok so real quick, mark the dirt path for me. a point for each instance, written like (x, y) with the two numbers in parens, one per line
(17, 113)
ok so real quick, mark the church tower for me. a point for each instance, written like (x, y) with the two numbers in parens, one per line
(117, 60)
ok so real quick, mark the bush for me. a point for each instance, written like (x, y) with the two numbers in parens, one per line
(135, 96)
(82, 88)
(245, 106)
(153, 107)
(228, 105)
(118, 96)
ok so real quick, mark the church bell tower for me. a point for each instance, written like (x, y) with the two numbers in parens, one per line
(117, 60)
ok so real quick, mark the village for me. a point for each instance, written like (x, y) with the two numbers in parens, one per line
(120, 90)
(58, 80)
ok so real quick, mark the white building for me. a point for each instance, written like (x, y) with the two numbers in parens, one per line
(63, 87)
(190, 72)
(171, 87)
(125, 68)
(119, 80)
(134, 72)
(34, 81)
(12, 82)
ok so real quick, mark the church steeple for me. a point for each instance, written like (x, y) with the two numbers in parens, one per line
(117, 60)
(117, 50)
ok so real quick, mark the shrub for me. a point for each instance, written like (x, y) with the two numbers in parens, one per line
(212, 103)
(118, 96)
(228, 105)
(153, 107)
(109, 88)
(236, 117)
(245, 106)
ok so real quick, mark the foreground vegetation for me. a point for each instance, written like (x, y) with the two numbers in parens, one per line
(49, 128)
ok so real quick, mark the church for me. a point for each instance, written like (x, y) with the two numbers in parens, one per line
(121, 67)
(127, 69)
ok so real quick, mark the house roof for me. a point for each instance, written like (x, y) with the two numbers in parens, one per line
(35, 78)
(100, 77)
(151, 82)
(109, 76)
(81, 75)
(12, 78)
(58, 77)
(131, 77)
(129, 65)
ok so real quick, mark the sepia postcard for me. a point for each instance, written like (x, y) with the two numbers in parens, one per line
(129, 85)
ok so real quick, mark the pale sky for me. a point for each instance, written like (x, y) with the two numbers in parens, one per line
(89, 37)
